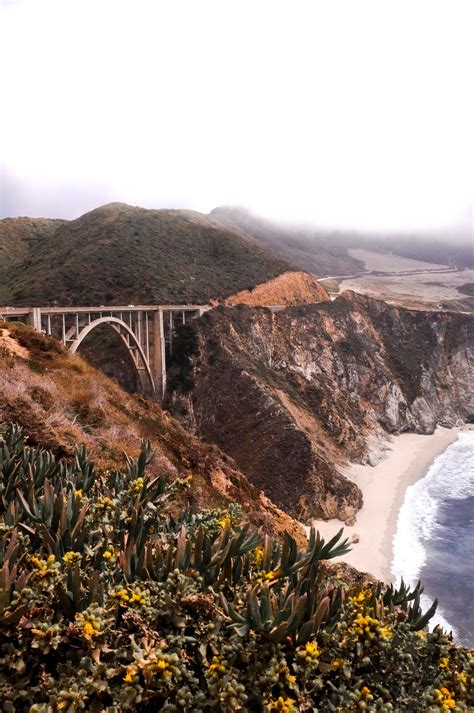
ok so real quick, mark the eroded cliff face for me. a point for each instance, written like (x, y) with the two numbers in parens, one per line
(294, 395)
(290, 288)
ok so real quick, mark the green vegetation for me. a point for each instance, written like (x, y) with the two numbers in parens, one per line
(20, 238)
(111, 599)
(120, 254)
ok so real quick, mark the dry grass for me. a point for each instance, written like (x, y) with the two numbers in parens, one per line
(61, 401)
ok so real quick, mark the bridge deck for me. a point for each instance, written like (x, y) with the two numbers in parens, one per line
(20, 311)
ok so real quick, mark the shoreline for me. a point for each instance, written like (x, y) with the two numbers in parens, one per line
(409, 456)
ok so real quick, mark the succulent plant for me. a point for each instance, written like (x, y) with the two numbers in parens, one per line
(112, 598)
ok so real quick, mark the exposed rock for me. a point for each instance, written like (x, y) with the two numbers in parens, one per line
(290, 288)
(294, 395)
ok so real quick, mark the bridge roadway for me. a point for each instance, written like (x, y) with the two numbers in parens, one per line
(146, 331)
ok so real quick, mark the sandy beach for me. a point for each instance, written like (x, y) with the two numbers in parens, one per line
(384, 487)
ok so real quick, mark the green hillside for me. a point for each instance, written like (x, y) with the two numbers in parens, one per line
(20, 238)
(119, 254)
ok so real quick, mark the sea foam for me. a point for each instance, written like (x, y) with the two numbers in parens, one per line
(450, 477)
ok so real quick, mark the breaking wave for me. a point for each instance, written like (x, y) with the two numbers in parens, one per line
(423, 518)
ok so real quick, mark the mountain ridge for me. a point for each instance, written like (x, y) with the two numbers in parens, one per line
(125, 254)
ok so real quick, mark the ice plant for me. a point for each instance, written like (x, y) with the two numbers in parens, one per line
(123, 599)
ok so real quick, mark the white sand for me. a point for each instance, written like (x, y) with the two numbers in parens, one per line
(383, 487)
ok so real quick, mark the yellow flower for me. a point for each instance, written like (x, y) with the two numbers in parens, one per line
(162, 667)
(337, 663)
(284, 705)
(90, 622)
(131, 675)
(139, 596)
(44, 567)
(104, 503)
(385, 632)
(312, 650)
(225, 522)
(107, 554)
(216, 668)
(71, 557)
(136, 596)
(258, 553)
(462, 677)
(443, 662)
(78, 493)
(88, 630)
(135, 486)
(121, 594)
(444, 697)
(273, 574)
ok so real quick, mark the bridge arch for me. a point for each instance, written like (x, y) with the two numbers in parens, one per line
(129, 339)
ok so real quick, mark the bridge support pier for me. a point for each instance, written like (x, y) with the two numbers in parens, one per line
(158, 355)
(142, 330)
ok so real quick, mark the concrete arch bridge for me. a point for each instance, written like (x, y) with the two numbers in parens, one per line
(146, 330)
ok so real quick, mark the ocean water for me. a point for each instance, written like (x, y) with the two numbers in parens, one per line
(434, 540)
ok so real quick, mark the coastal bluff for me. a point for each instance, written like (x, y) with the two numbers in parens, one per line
(295, 395)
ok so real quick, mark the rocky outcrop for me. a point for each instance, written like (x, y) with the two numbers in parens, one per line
(294, 395)
(290, 288)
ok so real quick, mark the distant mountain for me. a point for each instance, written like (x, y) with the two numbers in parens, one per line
(120, 254)
(326, 252)
(319, 253)
(434, 248)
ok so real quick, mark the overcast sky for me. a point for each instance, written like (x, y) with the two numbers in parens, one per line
(347, 114)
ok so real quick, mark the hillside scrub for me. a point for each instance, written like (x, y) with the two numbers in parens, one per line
(112, 599)
(120, 254)
(61, 401)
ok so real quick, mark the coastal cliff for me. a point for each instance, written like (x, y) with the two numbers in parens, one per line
(294, 395)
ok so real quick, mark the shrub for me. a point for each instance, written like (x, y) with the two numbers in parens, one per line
(108, 602)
